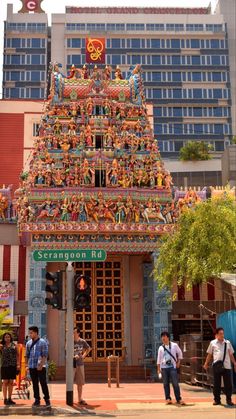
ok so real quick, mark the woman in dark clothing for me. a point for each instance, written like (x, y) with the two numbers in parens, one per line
(10, 365)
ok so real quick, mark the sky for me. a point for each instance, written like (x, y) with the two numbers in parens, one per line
(58, 6)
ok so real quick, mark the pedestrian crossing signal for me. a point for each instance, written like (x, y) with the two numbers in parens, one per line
(82, 292)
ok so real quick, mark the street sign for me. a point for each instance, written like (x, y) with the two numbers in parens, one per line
(79, 255)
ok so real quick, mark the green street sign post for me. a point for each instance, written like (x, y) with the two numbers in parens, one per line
(66, 255)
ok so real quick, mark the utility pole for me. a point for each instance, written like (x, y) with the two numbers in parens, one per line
(69, 334)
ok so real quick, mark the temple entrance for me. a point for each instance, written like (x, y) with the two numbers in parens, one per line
(102, 324)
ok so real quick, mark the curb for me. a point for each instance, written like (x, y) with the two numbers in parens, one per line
(37, 411)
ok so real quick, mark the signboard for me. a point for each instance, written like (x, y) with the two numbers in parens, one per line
(7, 301)
(80, 255)
(31, 6)
(95, 50)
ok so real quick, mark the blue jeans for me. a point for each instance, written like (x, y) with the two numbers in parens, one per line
(171, 375)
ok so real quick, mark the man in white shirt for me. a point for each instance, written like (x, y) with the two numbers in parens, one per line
(221, 349)
(168, 360)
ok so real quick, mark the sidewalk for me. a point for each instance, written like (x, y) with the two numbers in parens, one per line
(129, 397)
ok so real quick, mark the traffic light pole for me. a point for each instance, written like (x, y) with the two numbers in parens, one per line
(69, 334)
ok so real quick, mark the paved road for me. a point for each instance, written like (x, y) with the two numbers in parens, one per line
(179, 414)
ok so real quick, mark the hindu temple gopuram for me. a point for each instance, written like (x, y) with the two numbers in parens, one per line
(96, 181)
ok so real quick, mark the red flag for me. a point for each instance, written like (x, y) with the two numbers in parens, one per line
(95, 50)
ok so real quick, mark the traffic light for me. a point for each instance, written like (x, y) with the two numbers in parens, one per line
(82, 292)
(54, 287)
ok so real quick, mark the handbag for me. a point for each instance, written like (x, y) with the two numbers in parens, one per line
(218, 366)
(74, 362)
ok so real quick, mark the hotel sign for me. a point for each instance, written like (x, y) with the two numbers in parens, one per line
(31, 6)
(95, 50)
(80, 255)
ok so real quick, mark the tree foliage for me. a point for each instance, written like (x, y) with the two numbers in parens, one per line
(202, 246)
(195, 150)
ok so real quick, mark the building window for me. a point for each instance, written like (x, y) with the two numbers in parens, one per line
(195, 43)
(35, 43)
(157, 94)
(197, 93)
(177, 93)
(115, 43)
(135, 43)
(175, 43)
(155, 43)
(35, 93)
(156, 59)
(116, 59)
(176, 77)
(215, 60)
(36, 127)
(176, 60)
(196, 60)
(35, 59)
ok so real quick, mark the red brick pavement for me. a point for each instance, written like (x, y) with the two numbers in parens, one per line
(100, 397)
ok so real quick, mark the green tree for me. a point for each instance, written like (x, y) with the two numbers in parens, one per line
(195, 150)
(202, 246)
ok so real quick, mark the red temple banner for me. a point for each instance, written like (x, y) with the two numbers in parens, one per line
(95, 50)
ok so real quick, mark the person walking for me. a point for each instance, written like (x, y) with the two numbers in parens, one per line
(36, 354)
(10, 366)
(221, 351)
(81, 350)
(168, 360)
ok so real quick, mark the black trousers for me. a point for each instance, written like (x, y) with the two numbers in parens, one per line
(39, 377)
(227, 384)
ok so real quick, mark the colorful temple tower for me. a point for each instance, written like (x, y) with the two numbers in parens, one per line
(96, 181)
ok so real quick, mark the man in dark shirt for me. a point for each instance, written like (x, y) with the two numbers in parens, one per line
(81, 350)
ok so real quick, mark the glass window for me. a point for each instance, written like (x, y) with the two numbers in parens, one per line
(35, 75)
(197, 93)
(176, 76)
(215, 43)
(215, 59)
(197, 112)
(217, 93)
(198, 129)
(219, 145)
(156, 76)
(75, 59)
(176, 60)
(195, 43)
(15, 59)
(136, 59)
(35, 43)
(178, 145)
(196, 60)
(35, 93)
(158, 129)
(196, 76)
(115, 59)
(157, 111)
(156, 59)
(157, 94)
(177, 93)
(75, 43)
(155, 43)
(15, 75)
(175, 43)
(178, 129)
(115, 43)
(35, 59)
(217, 112)
(177, 112)
(14, 92)
(16, 42)
(135, 43)
(218, 129)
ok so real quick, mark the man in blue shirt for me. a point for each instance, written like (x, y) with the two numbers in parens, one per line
(36, 354)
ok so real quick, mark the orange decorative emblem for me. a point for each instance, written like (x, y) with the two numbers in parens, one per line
(95, 50)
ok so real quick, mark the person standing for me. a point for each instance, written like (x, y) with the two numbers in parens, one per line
(81, 350)
(10, 366)
(221, 351)
(168, 360)
(37, 353)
